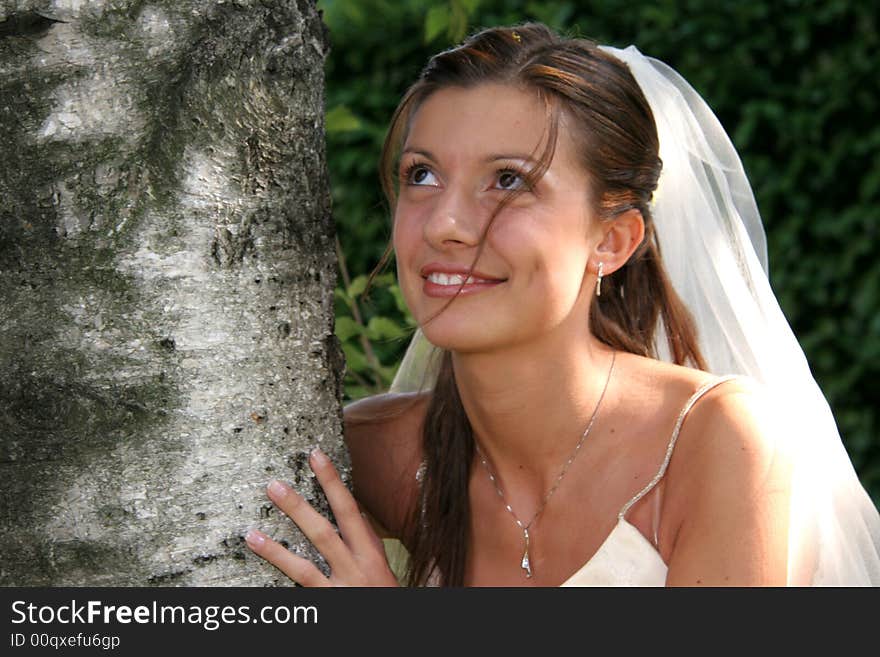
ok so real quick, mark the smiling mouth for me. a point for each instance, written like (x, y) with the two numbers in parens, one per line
(442, 285)
(439, 278)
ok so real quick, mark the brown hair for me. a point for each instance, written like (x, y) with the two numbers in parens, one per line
(613, 123)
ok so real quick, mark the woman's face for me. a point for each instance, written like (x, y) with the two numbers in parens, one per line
(465, 149)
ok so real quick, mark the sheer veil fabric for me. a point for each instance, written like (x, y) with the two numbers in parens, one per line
(714, 249)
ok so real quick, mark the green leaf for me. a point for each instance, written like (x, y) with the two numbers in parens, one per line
(436, 22)
(399, 301)
(384, 279)
(339, 293)
(355, 392)
(386, 374)
(341, 119)
(355, 360)
(357, 287)
(470, 6)
(458, 22)
(383, 328)
(346, 328)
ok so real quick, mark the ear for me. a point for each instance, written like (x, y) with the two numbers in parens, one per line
(621, 237)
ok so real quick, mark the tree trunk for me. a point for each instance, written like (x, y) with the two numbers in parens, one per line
(166, 279)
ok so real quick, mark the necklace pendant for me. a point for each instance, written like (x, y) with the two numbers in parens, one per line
(525, 564)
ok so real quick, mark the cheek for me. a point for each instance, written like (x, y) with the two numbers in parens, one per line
(401, 239)
(406, 240)
(552, 257)
(406, 230)
(550, 264)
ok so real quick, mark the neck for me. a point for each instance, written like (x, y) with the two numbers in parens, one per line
(529, 406)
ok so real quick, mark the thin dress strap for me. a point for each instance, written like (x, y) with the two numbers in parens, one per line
(681, 416)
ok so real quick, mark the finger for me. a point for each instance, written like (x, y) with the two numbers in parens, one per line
(314, 526)
(302, 571)
(377, 531)
(352, 524)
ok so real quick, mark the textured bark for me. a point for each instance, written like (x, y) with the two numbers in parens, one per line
(166, 278)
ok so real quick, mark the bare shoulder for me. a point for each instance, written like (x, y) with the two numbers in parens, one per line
(734, 419)
(734, 412)
(729, 487)
(729, 426)
(383, 435)
(724, 516)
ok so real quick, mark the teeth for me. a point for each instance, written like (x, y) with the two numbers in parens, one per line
(452, 279)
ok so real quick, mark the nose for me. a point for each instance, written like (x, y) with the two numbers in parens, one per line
(453, 221)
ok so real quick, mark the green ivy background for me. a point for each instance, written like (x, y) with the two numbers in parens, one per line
(793, 81)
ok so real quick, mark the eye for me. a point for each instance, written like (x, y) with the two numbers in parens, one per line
(419, 174)
(509, 179)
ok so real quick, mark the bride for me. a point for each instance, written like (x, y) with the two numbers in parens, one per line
(603, 389)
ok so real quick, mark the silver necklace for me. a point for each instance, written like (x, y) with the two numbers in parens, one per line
(525, 564)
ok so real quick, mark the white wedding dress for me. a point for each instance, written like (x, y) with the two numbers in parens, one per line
(626, 558)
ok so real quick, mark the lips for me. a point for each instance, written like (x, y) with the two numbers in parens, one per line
(454, 280)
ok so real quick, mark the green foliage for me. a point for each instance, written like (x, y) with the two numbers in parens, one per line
(341, 119)
(449, 18)
(794, 83)
(371, 340)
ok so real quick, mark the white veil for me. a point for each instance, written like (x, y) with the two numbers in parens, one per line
(714, 250)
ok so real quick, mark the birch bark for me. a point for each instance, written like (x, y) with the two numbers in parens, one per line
(166, 278)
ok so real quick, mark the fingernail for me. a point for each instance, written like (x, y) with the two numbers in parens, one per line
(277, 489)
(254, 538)
(319, 457)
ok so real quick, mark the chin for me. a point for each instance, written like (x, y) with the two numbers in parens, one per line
(452, 336)
(464, 336)
(449, 340)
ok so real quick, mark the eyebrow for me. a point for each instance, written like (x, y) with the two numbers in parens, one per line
(494, 157)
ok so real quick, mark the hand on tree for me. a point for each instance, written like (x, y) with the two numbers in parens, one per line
(356, 554)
